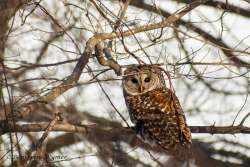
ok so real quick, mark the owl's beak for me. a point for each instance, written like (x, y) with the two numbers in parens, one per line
(141, 88)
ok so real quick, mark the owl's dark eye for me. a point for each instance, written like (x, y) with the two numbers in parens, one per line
(134, 80)
(147, 79)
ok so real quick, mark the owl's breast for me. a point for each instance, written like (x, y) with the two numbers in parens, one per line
(140, 106)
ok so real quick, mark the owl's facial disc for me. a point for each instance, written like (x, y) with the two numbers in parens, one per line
(140, 83)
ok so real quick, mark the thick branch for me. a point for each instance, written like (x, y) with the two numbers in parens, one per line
(220, 129)
(66, 127)
(104, 133)
(229, 8)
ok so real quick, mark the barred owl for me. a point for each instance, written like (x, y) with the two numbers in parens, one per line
(154, 109)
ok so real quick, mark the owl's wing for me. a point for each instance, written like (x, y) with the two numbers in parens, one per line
(170, 105)
(158, 115)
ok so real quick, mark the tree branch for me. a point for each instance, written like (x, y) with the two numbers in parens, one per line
(66, 127)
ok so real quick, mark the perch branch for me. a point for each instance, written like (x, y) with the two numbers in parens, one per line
(66, 127)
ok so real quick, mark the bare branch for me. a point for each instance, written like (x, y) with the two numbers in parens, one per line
(109, 62)
(66, 127)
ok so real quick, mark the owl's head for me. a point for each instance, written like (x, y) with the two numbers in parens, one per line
(141, 79)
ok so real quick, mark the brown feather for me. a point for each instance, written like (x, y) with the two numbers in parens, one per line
(162, 116)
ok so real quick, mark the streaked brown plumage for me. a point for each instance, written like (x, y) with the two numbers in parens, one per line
(154, 109)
